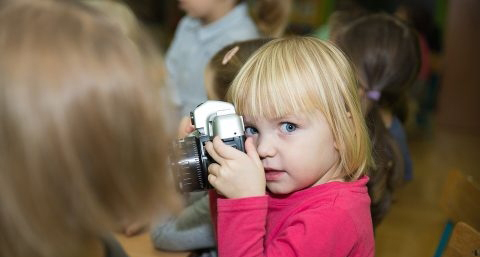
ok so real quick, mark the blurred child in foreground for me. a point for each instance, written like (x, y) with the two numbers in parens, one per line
(83, 139)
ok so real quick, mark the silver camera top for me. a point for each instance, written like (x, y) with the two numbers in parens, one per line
(217, 118)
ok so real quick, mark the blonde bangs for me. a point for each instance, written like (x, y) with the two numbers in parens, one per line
(272, 83)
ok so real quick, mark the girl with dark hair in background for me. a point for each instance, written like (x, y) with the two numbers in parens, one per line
(385, 53)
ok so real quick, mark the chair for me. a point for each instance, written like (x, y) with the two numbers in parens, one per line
(465, 241)
(460, 200)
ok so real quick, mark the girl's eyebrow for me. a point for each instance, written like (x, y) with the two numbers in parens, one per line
(290, 117)
(248, 121)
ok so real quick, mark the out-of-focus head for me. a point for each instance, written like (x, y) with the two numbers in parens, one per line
(305, 75)
(203, 9)
(270, 16)
(226, 63)
(385, 53)
(340, 19)
(82, 140)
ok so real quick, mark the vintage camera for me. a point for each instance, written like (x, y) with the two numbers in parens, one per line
(190, 159)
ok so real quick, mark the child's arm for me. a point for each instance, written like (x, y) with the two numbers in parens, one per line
(241, 226)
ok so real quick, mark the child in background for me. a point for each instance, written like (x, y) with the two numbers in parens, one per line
(209, 26)
(386, 55)
(225, 65)
(307, 143)
(371, 55)
(82, 138)
(192, 229)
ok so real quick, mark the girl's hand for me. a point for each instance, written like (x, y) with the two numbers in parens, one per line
(185, 127)
(236, 174)
(135, 228)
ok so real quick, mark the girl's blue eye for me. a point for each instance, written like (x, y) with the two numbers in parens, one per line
(250, 131)
(288, 127)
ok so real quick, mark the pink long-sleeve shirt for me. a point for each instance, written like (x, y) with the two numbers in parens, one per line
(331, 219)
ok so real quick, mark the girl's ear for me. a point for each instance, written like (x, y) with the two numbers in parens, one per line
(361, 92)
(350, 119)
(349, 116)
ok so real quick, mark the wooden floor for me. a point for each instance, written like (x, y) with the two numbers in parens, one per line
(414, 224)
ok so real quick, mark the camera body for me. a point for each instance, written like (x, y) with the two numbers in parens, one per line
(190, 160)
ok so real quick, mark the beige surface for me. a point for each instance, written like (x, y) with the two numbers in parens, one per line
(141, 246)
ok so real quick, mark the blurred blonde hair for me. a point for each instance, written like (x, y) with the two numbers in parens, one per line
(122, 16)
(82, 140)
(306, 75)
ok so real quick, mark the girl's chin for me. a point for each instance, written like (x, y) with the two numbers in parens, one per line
(277, 188)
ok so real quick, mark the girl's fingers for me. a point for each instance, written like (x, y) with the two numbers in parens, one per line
(185, 127)
(135, 228)
(212, 180)
(213, 153)
(214, 169)
(224, 150)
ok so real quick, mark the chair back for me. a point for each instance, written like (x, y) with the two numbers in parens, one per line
(465, 241)
(460, 199)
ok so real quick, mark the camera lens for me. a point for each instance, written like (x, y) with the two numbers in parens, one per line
(187, 167)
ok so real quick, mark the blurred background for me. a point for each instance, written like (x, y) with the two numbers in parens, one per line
(443, 125)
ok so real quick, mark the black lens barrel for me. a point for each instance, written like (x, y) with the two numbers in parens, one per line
(187, 166)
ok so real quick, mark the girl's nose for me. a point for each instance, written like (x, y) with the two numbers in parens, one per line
(265, 146)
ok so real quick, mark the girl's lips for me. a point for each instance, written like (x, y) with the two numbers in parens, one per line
(271, 174)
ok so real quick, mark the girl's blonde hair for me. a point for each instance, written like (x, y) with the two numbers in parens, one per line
(82, 140)
(306, 75)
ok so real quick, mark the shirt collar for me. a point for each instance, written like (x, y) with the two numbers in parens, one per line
(328, 188)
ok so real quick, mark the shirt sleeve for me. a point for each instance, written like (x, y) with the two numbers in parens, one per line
(309, 233)
(241, 226)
